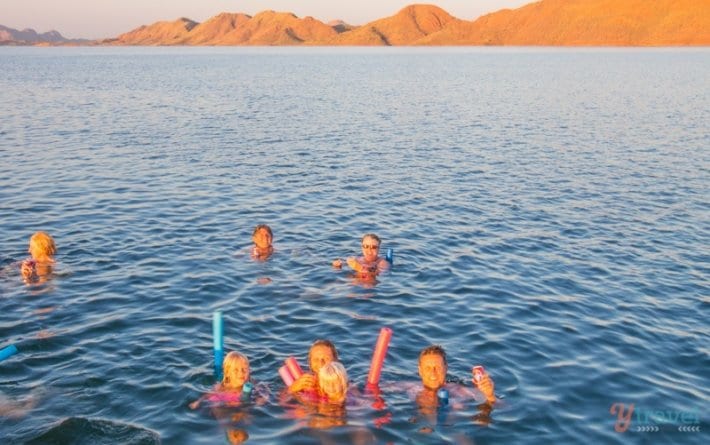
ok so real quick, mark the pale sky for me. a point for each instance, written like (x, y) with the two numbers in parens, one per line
(93, 19)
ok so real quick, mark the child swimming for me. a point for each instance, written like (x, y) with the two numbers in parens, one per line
(231, 390)
(333, 383)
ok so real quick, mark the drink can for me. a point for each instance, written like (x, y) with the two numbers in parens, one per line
(443, 396)
(478, 373)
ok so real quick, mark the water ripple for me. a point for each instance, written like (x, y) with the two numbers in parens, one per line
(548, 222)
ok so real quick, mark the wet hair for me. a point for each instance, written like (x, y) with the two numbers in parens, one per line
(323, 342)
(373, 236)
(333, 371)
(265, 227)
(230, 360)
(45, 242)
(434, 350)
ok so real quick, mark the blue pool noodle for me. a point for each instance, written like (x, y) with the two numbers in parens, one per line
(7, 352)
(217, 335)
(388, 256)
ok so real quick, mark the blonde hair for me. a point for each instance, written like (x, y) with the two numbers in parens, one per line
(230, 361)
(333, 372)
(44, 242)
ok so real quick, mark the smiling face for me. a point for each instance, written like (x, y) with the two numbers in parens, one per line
(333, 389)
(236, 372)
(432, 370)
(370, 248)
(319, 356)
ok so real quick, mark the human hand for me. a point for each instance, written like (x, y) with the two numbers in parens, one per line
(338, 263)
(486, 386)
(28, 269)
(195, 404)
(307, 382)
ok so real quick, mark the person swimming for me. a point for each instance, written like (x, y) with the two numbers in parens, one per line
(433, 368)
(370, 263)
(320, 354)
(41, 262)
(262, 237)
(236, 375)
(333, 383)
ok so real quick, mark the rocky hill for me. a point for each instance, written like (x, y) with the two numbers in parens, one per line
(543, 23)
(586, 23)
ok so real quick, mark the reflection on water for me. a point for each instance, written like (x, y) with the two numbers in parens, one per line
(548, 209)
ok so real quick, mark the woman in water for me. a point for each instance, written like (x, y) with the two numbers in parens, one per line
(42, 250)
(320, 354)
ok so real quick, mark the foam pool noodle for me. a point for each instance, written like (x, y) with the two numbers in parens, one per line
(378, 356)
(7, 352)
(218, 338)
(293, 367)
(286, 376)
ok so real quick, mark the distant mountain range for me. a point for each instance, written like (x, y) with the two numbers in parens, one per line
(9, 36)
(543, 23)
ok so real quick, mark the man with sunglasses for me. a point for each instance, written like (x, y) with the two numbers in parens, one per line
(370, 263)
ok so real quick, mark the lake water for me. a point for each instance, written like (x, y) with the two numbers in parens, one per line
(548, 211)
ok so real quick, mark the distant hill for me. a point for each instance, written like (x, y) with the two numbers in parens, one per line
(159, 33)
(543, 23)
(265, 28)
(409, 25)
(586, 23)
(9, 36)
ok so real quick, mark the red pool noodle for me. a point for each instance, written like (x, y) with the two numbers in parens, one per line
(286, 376)
(293, 368)
(378, 356)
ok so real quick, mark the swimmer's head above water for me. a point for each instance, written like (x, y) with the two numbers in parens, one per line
(433, 367)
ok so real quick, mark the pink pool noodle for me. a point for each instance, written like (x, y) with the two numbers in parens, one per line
(293, 368)
(286, 376)
(378, 356)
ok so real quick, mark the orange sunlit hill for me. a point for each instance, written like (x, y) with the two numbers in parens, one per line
(544, 23)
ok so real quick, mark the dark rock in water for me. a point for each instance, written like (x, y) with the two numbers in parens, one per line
(81, 431)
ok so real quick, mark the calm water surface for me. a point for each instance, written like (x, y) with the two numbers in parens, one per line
(548, 210)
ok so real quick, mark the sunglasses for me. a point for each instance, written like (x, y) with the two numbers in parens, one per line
(373, 246)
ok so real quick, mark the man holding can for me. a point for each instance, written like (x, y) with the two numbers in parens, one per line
(433, 368)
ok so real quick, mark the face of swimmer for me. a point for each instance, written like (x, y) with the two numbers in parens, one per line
(432, 370)
(262, 238)
(236, 373)
(319, 356)
(370, 248)
(333, 389)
